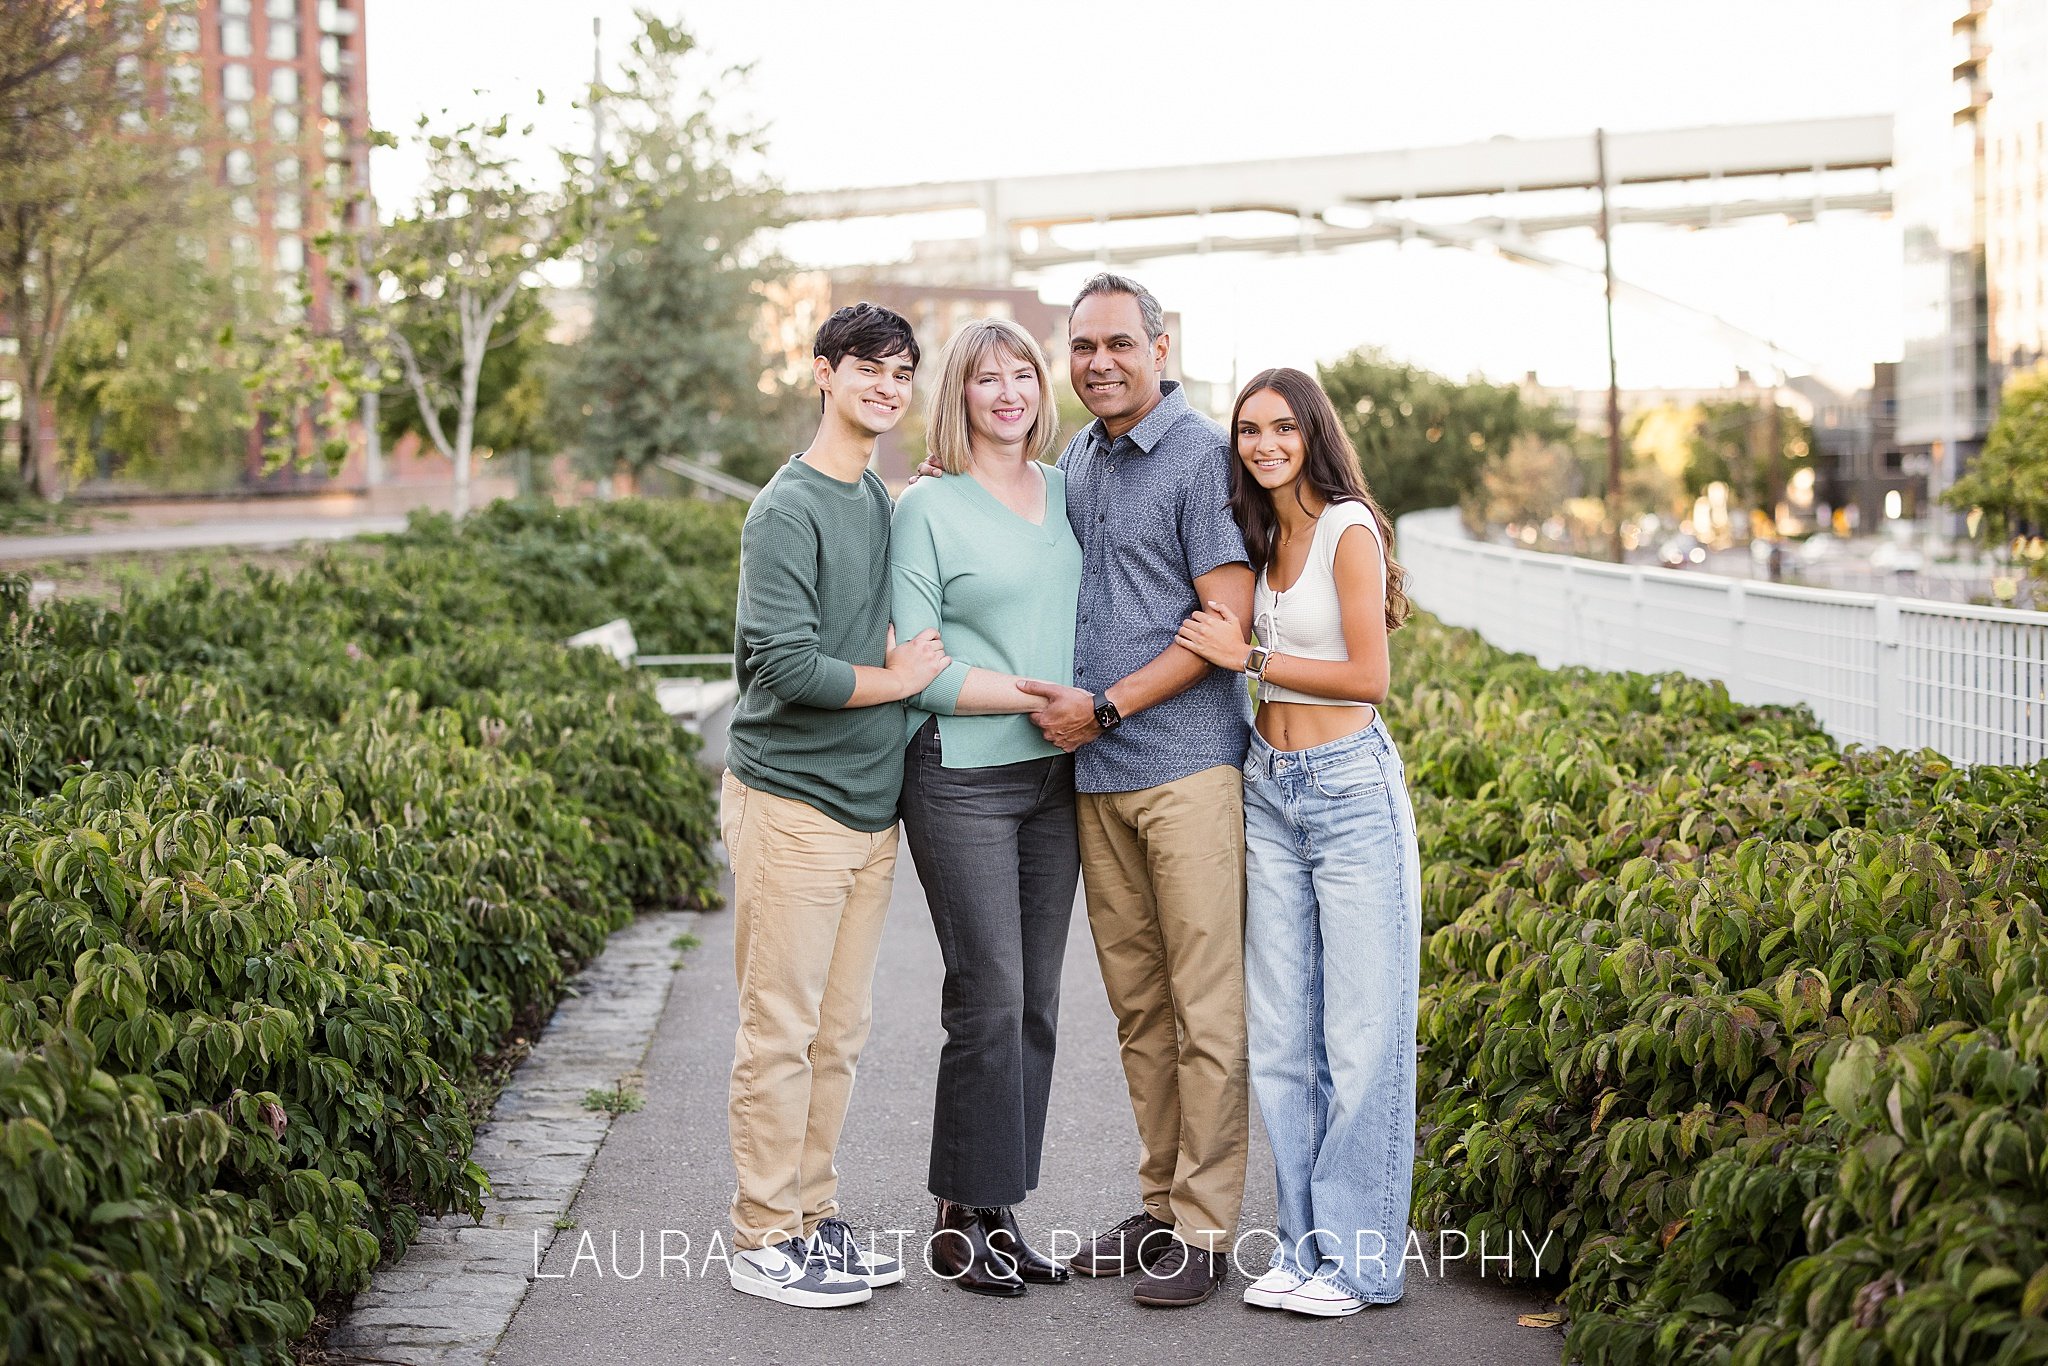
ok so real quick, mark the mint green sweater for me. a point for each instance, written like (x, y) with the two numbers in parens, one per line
(1002, 593)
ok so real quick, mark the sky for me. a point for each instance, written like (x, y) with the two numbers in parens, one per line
(878, 94)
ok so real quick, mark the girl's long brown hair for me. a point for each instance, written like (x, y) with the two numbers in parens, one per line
(1331, 469)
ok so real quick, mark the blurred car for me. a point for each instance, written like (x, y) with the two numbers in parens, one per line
(1895, 558)
(1821, 547)
(1681, 551)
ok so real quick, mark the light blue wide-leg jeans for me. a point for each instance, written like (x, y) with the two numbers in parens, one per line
(1333, 950)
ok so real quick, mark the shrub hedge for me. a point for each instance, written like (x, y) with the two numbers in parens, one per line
(1755, 1025)
(282, 860)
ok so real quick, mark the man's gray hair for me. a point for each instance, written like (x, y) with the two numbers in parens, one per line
(1107, 282)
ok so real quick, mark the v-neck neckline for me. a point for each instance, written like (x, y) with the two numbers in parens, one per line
(1306, 555)
(1042, 528)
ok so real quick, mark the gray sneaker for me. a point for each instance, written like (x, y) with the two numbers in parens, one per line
(787, 1273)
(836, 1244)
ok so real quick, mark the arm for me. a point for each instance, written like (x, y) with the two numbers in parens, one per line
(1363, 677)
(1213, 547)
(1068, 714)
(778, 622)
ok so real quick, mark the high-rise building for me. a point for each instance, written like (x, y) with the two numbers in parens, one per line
(284, 83)
(1971, 156)
(2016, 184)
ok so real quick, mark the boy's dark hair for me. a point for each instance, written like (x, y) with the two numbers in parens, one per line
(867, 330)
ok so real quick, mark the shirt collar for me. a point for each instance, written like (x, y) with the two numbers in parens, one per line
(1172, 405)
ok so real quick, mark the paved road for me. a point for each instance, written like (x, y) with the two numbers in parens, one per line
(666, 1167)
(259, 534)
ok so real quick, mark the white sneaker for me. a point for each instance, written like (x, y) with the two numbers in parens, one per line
(787, 1274)
(1321, 1297)
(839, 1247)
(1270, 1291)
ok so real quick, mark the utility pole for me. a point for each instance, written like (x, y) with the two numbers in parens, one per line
(1613, 373)
(1774, 452)
(597, 193)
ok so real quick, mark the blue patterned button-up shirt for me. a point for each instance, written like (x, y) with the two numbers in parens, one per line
(1152, 511)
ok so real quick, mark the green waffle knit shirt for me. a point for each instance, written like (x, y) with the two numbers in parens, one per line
(814, 602)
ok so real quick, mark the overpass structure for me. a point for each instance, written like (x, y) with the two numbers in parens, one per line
(1504, 191)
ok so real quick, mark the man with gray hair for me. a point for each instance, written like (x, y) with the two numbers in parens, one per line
(1158, 738)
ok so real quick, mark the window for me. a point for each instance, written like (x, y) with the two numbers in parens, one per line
(181, 34)
(291, 254)
(184, 80)
(235, 118)
(236, 84)
(285, 213)
(332, 141)
(242, 249)
(281, 9)
(336, 18)
(234, 38)
(284, 85)
(281, 41)
(330, 99)
(189, 159)
(287, 171)
(284, 123)
(234, 6)
(239, 166)
(244, 208)
(330, 55)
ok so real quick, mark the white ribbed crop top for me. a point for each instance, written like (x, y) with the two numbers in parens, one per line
(1305, 621)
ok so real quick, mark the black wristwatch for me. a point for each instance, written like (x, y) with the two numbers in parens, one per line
(1107, 717)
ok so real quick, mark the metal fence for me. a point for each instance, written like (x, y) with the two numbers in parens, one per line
(1969, 682)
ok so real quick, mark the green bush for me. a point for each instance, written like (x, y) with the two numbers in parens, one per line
(281, 862)
(1753, 1025)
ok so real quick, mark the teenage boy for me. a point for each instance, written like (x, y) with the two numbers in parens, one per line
(1159, 740)
(815, 755)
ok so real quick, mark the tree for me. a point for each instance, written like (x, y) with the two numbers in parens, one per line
(2009, 479)
(85, 169)
(441, 279)
(1423, 440)
(1731, 445)
(149, 377)
(511, 411)
(1529, 483)
(673, 364)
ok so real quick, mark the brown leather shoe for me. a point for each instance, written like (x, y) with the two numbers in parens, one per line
(1185, 1276)
(959, 1252)
(1135, 1244)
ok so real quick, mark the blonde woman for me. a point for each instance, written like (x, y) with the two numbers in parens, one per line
(987, 558)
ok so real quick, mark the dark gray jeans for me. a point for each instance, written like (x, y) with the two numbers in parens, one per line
(998, 856)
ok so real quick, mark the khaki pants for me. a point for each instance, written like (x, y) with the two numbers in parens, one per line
(809, 899)
(1164, 868)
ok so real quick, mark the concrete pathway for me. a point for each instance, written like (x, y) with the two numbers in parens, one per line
(666, 1168)
(268, 533)
(447, 1300)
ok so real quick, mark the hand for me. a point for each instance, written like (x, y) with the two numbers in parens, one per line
(926, 469)
(917, 661)
(1068, 716)
(1217, 635)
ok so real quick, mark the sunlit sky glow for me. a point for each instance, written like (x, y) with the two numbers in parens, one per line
(865, 94)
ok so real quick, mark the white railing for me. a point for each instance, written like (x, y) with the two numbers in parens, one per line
(1968, 682)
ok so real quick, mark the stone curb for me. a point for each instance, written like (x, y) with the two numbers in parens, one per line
(449, 1298)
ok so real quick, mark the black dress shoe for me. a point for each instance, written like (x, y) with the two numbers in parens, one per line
(1005, 1236)
(960, 1252)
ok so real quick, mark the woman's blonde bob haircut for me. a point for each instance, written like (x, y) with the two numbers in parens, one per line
(946, 436)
